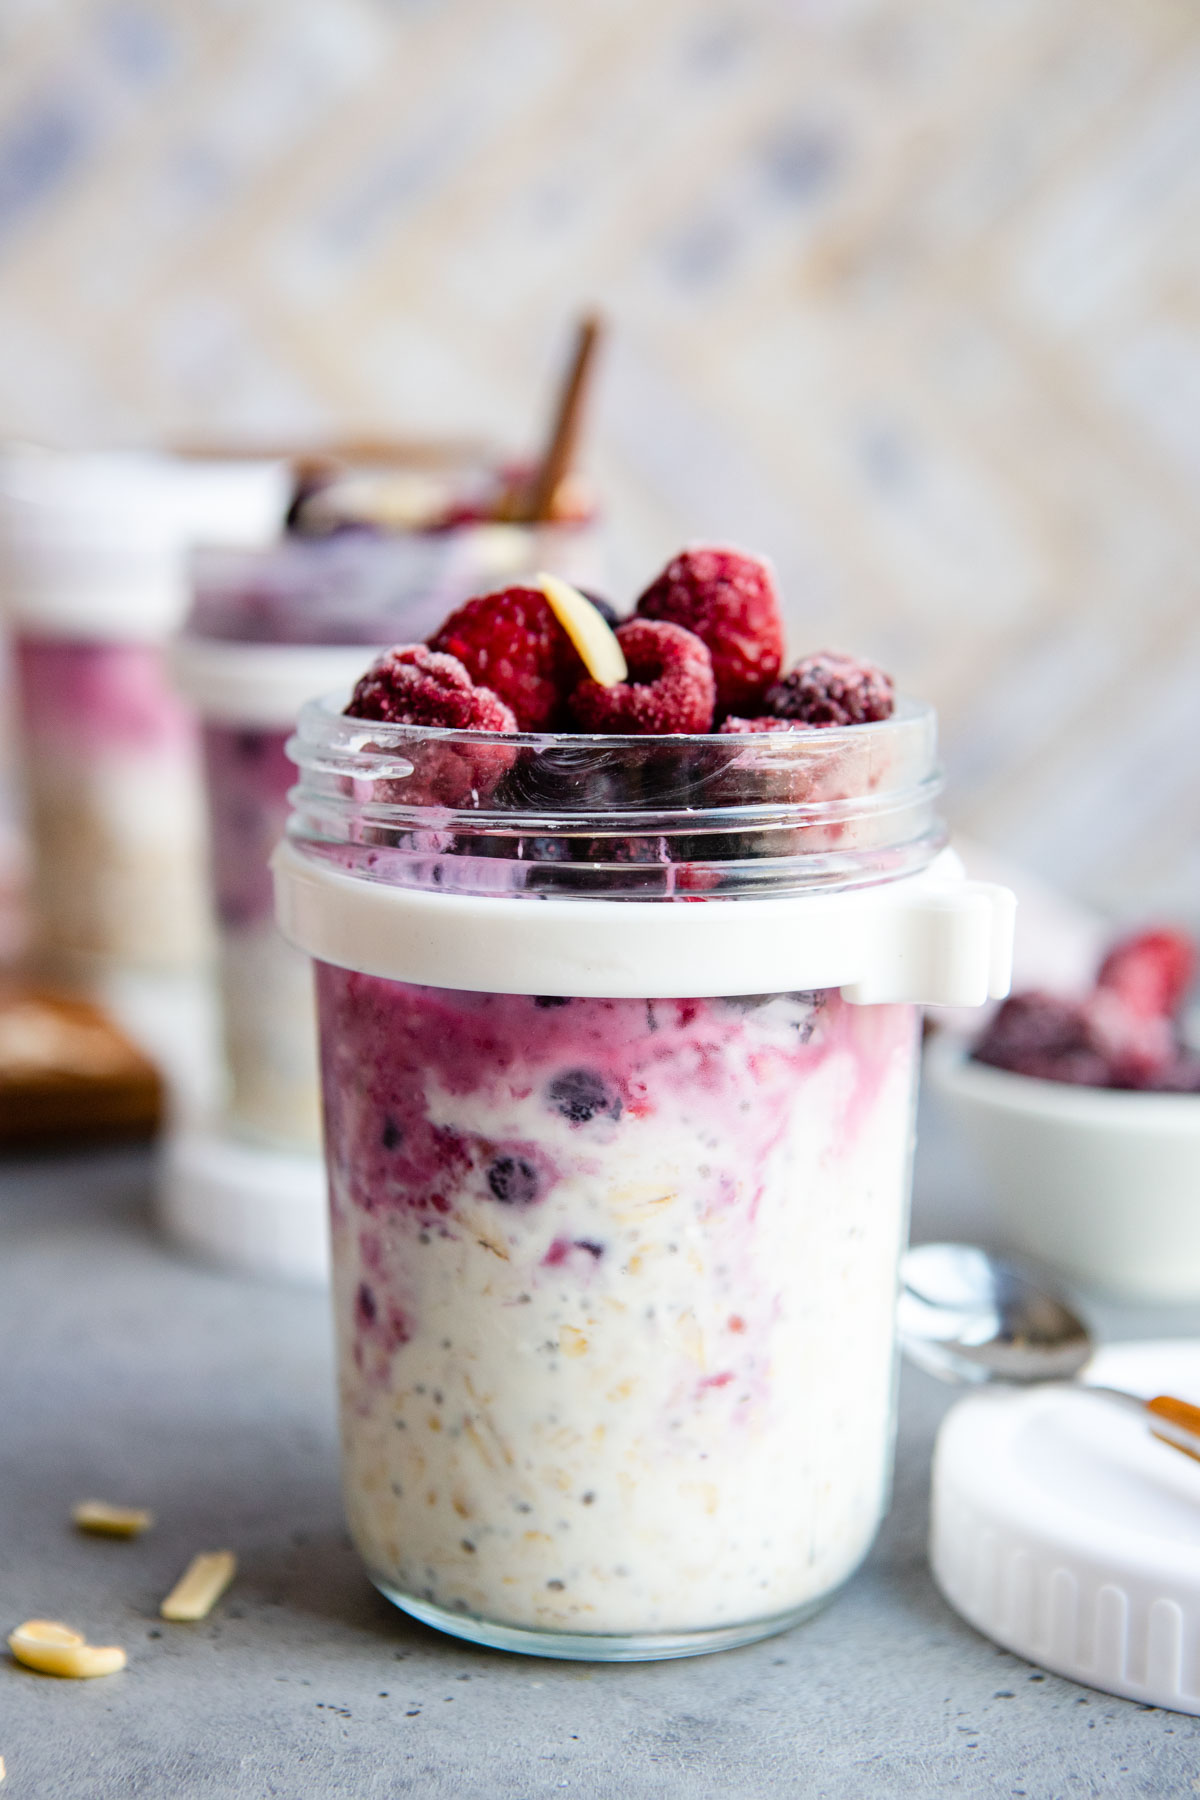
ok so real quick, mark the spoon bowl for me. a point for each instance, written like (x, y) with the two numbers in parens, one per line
(967, 1316)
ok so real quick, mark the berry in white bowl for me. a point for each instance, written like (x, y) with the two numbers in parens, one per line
(1084, 1115)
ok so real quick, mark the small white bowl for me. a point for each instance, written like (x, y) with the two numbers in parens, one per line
(1100, 1183)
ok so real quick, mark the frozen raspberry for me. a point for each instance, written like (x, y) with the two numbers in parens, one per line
(734, 727)
(512, 642)
(729, 601)
(832, 689)
(669, 689)
(1151, 972)
(411, 685)
(1046, 1036)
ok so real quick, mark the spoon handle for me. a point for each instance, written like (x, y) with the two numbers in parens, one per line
(1172, 1421)
(1178, 1424)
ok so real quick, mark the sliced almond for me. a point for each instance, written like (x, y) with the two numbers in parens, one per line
(588, 630)
(200, 1586)
(111, 1521)
(54, 1649)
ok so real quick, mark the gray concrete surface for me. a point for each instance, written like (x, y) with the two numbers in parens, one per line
(129, 1374)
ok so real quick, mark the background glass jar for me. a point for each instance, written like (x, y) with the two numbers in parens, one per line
(268, 630)
(114, 805)
(619, 1049)
(247, 696)
(93, 580)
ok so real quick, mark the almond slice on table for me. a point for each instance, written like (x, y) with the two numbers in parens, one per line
(111, 1521)
(588, 630)
(47, 1631)
(54, 1649)
(200, 1586)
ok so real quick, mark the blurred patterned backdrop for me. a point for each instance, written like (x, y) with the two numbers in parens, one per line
(905, 292)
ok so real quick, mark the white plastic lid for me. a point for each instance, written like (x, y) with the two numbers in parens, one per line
(261, 685)
(1066, 1531)
(94, 544)
(245, 1206)
(931, 938)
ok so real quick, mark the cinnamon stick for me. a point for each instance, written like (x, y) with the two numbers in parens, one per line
(559, 454)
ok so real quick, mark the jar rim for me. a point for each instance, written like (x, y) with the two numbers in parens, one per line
(328, 709)
(582, 815)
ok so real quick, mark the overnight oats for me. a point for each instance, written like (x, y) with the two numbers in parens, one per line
(266, 986)
(116, 812)
(618, 961)
(267, 631)
(93, 550)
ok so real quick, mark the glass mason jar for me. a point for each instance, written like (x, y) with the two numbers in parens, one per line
(93, 552)
(619, 1045)
(268, 630)
(248, 695)
(115, 809)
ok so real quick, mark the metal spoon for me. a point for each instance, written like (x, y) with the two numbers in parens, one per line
(969, 1317)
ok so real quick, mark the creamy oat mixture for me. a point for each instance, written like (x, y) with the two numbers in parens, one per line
(116, 810)
(615, 1289)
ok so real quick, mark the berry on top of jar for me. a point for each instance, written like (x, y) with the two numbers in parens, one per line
(704, 652)
(1126, 1032)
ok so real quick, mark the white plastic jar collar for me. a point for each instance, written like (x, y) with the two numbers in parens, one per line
(261, 686)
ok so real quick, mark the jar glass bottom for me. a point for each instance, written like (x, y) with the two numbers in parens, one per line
(581, 1646)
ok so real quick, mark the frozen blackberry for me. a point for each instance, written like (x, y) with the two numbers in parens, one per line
(513, 1180)
(605, 608)
(832, 689)
(581, 1095)
(1045, 1036)
(1181, 1075)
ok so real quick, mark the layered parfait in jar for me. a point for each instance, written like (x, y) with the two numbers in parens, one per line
(115, 810)
(619, 936)
(369, 555)
(93, 580)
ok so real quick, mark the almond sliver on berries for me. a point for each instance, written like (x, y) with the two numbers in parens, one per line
(587, 629)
